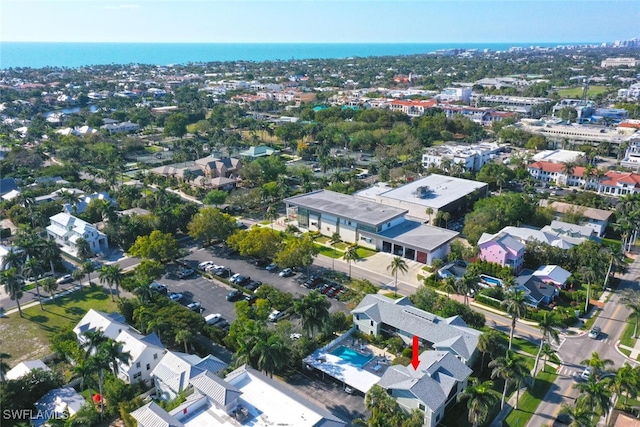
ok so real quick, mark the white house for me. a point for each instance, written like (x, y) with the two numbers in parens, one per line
(55, 404)
(84, 201)
(175, 371)
(598, 219)
(470, 156)
(66, 229)
(440, 377)
(145, 351)
(23, 368)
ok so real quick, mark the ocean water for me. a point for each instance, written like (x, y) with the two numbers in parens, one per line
(39, 55)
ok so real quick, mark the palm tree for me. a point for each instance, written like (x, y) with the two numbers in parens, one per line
(50, 286)
(50, 253)
(69, 198)
(144, 292)
(510, 368)
(88, 268)
(568, 168)
(515, 306)
(631, 299)
(467, 284)
(4, 366)
(480, 398)
(271, 354)
(449, 285)
(83, 249)
(112, 275)
(429, 211)
(77, 276)
(333, 241)
(33, 268)
(446, 216)
(14, 258)
(397, 264)
(580, 415)
(547, 353)
(185, 336)
(83, 369)
(547, 326)
(92, 340)
(594, 394)
(12, 285)
(626, 382)
(313, 309)
(587, 174)
(599, 365)
(491, 342)
(587, 273)
(271, 214)
(351, 254)
(111, 352)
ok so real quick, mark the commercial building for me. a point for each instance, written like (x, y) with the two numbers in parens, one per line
(440, 193)
(619, 62)
(370, 224)
(455, 94)
(470, 156)
(559, 156)
(528, 106)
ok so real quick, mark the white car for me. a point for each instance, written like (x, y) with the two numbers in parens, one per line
(275, 315)
(204, 265)
(67, 278)
(586, 374)
(212, 319)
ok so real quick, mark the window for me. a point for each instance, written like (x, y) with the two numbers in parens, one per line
(421, 406)
(137, 375)
(137, 364)
(148, 366)
(437, 417)
(155, 356)
(371, 322)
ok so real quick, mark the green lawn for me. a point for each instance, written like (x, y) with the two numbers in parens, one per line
(576, 92)
(364, 252)
(627, 334)
(529, 400)
(328, 251)
(28, 338)
(520, 344)
(323, 239)
(341, 246)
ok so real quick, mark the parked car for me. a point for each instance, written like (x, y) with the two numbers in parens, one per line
(67, 278)
(223, 324)
(223, 272)
(176, 296)
(253, 285)
(239, 279)
(212, 319)
(195, 306)
(205, 264)
(271, 267)
(588, 371)
(241, 225)
(184, 273)
(312, 282)
(251, 299)
(286, 272)
(275, 315)
(235, 295)
(594, 333)
(159, 287)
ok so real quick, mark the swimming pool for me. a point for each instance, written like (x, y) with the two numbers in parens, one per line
(491, 280)
(351, 356)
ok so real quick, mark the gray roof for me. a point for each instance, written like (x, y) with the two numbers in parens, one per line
(423, 324)
(7, 185)
(432, 382)
(570, 230)
(537, 288)
(175, 369)
(328, 419)
(218, 390)
(417, 235)
(503, 239)
(152, 415)
(56, 401)
(344, 206)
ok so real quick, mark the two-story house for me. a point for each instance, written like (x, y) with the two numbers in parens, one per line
(66, 229)
(503, 249)
(145, 351)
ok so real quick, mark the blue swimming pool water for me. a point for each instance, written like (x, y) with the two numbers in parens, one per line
(351, 356)
(491, 280)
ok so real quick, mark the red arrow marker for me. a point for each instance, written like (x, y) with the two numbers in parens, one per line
(414, 357)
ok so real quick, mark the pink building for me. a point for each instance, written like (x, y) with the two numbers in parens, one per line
(503, 249)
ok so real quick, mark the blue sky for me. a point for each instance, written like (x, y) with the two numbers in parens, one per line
(300, 21)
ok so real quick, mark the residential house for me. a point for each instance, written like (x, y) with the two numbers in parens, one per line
(436, 383)
(256, 152)
(172, 375)
(56, 404)
(377, 314)
(537, 292)
(503, 249)
(554, 274)
(66, 229)
(573, 233)
(123, 127)
(207, 172)
(244, 397)
(610, 183)
(145, 351)
(8, 185)
(598, 219)
(24, 368)
(84, 201)
(470, 156)
(370, 224)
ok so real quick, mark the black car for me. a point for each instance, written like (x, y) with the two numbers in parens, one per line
(251, 299)
(253, 285)
(160, 288)
(225, 273)
(235, 295)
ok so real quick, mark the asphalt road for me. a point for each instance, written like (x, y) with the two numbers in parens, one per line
(573, 350)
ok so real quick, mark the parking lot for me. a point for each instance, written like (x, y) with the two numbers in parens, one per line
(212, 293)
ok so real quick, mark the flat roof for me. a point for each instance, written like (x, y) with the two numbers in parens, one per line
(345, 206)
(417, 235)
(443, 190)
